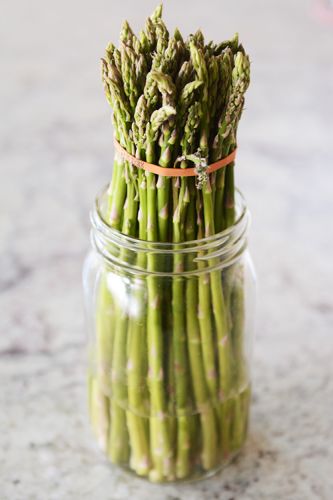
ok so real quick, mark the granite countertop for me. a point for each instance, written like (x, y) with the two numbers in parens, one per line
(56, 153)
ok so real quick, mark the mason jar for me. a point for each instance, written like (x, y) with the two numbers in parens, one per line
(170, 340)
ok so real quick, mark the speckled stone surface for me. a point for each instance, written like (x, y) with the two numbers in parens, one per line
(56, 152)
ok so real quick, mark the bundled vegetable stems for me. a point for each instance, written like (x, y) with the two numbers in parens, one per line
(169, 393)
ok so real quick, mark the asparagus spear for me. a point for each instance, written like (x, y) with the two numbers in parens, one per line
(167, 141)
(182, 382)
(161, 448)
(241, 80)
(196, 349)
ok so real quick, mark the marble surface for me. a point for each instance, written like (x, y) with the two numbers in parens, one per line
(56, 152)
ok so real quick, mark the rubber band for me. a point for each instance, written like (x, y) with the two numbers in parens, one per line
(172, 172)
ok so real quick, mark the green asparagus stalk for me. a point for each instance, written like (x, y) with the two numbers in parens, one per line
(161, 448)
(137, 364)
(166, 142)
(196, 348)
(228, 127)
(182, 383)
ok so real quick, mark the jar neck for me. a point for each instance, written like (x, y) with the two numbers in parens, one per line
(149, 257)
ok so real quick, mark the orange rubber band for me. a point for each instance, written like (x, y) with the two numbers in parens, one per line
(172, 172)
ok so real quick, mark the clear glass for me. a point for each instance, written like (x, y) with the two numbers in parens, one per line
(170, 341)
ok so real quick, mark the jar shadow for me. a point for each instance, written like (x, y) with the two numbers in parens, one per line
(256, 463)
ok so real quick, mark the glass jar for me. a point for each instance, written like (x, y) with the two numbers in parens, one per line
(170, 341)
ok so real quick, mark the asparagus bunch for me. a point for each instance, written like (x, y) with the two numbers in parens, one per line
(169, 393)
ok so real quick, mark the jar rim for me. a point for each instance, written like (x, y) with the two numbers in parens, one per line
(237, 229)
